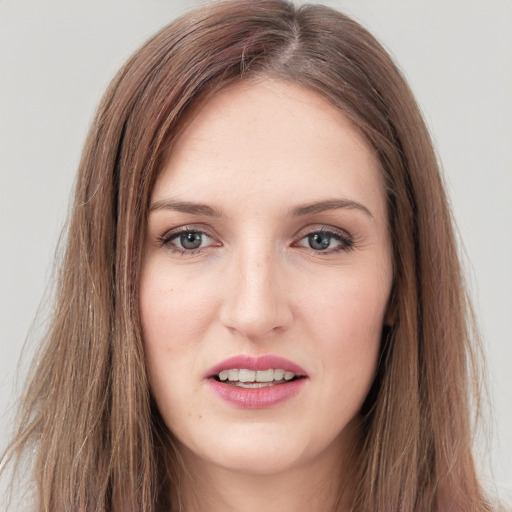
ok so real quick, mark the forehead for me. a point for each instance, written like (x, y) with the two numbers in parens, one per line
(272, 140)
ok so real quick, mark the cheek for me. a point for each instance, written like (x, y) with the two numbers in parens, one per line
(345, 318)
(348, 308)
(174, 318)
(174, 312)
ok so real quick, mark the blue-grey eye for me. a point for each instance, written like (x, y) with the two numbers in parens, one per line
(191, 240)
(187, 241)
(319, 241)
(327, 241)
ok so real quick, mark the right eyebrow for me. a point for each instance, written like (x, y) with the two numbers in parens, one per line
(185, 207)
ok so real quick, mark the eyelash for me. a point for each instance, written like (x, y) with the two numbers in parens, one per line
(346, 241)
(166, 239)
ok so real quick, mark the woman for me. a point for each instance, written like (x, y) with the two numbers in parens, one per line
(260, 300)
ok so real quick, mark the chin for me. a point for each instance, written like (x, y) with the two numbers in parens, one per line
(259, 461)
(263, 449)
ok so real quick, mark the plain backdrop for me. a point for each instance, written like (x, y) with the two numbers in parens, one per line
(57, 57)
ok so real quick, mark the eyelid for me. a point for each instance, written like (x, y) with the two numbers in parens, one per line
(171, 234)
(346, 240)
(342, 235)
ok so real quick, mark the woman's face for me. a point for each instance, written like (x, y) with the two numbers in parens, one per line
(265, 281)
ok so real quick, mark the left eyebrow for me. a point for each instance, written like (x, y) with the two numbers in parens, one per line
(328, 204)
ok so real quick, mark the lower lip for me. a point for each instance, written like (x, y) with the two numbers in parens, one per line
(256, 398)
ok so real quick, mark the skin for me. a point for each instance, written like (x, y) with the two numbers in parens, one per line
(255, 152)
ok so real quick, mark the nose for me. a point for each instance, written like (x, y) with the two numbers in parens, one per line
(256, 302)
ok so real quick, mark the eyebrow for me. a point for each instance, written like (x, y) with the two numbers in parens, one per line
(185, 207)
(328, 204)
(298, 211)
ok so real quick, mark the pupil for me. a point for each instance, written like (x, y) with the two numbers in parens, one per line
(191, 240)
(319, 241)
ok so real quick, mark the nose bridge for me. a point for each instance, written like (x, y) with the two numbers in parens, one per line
(256, 303)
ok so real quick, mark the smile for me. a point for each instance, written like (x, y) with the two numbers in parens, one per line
(255, 379)
(256, 382)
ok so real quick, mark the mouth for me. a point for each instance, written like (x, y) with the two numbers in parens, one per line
(253, 379)
(256, 382)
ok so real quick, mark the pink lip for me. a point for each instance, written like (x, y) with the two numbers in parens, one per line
(256, 398)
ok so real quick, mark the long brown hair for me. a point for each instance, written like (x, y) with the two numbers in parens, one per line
(98, 440)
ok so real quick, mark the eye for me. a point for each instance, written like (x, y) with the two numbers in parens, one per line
(326, 241)
(187, 241)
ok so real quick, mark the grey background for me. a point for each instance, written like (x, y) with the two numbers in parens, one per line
(56, 58)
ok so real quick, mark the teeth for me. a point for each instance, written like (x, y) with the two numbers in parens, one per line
(253, 385)
(278, 374)
(265, 376)
(246, 376)
(233, 374)
(243, 376)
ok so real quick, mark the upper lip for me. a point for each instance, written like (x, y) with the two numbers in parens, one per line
(260, 363)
